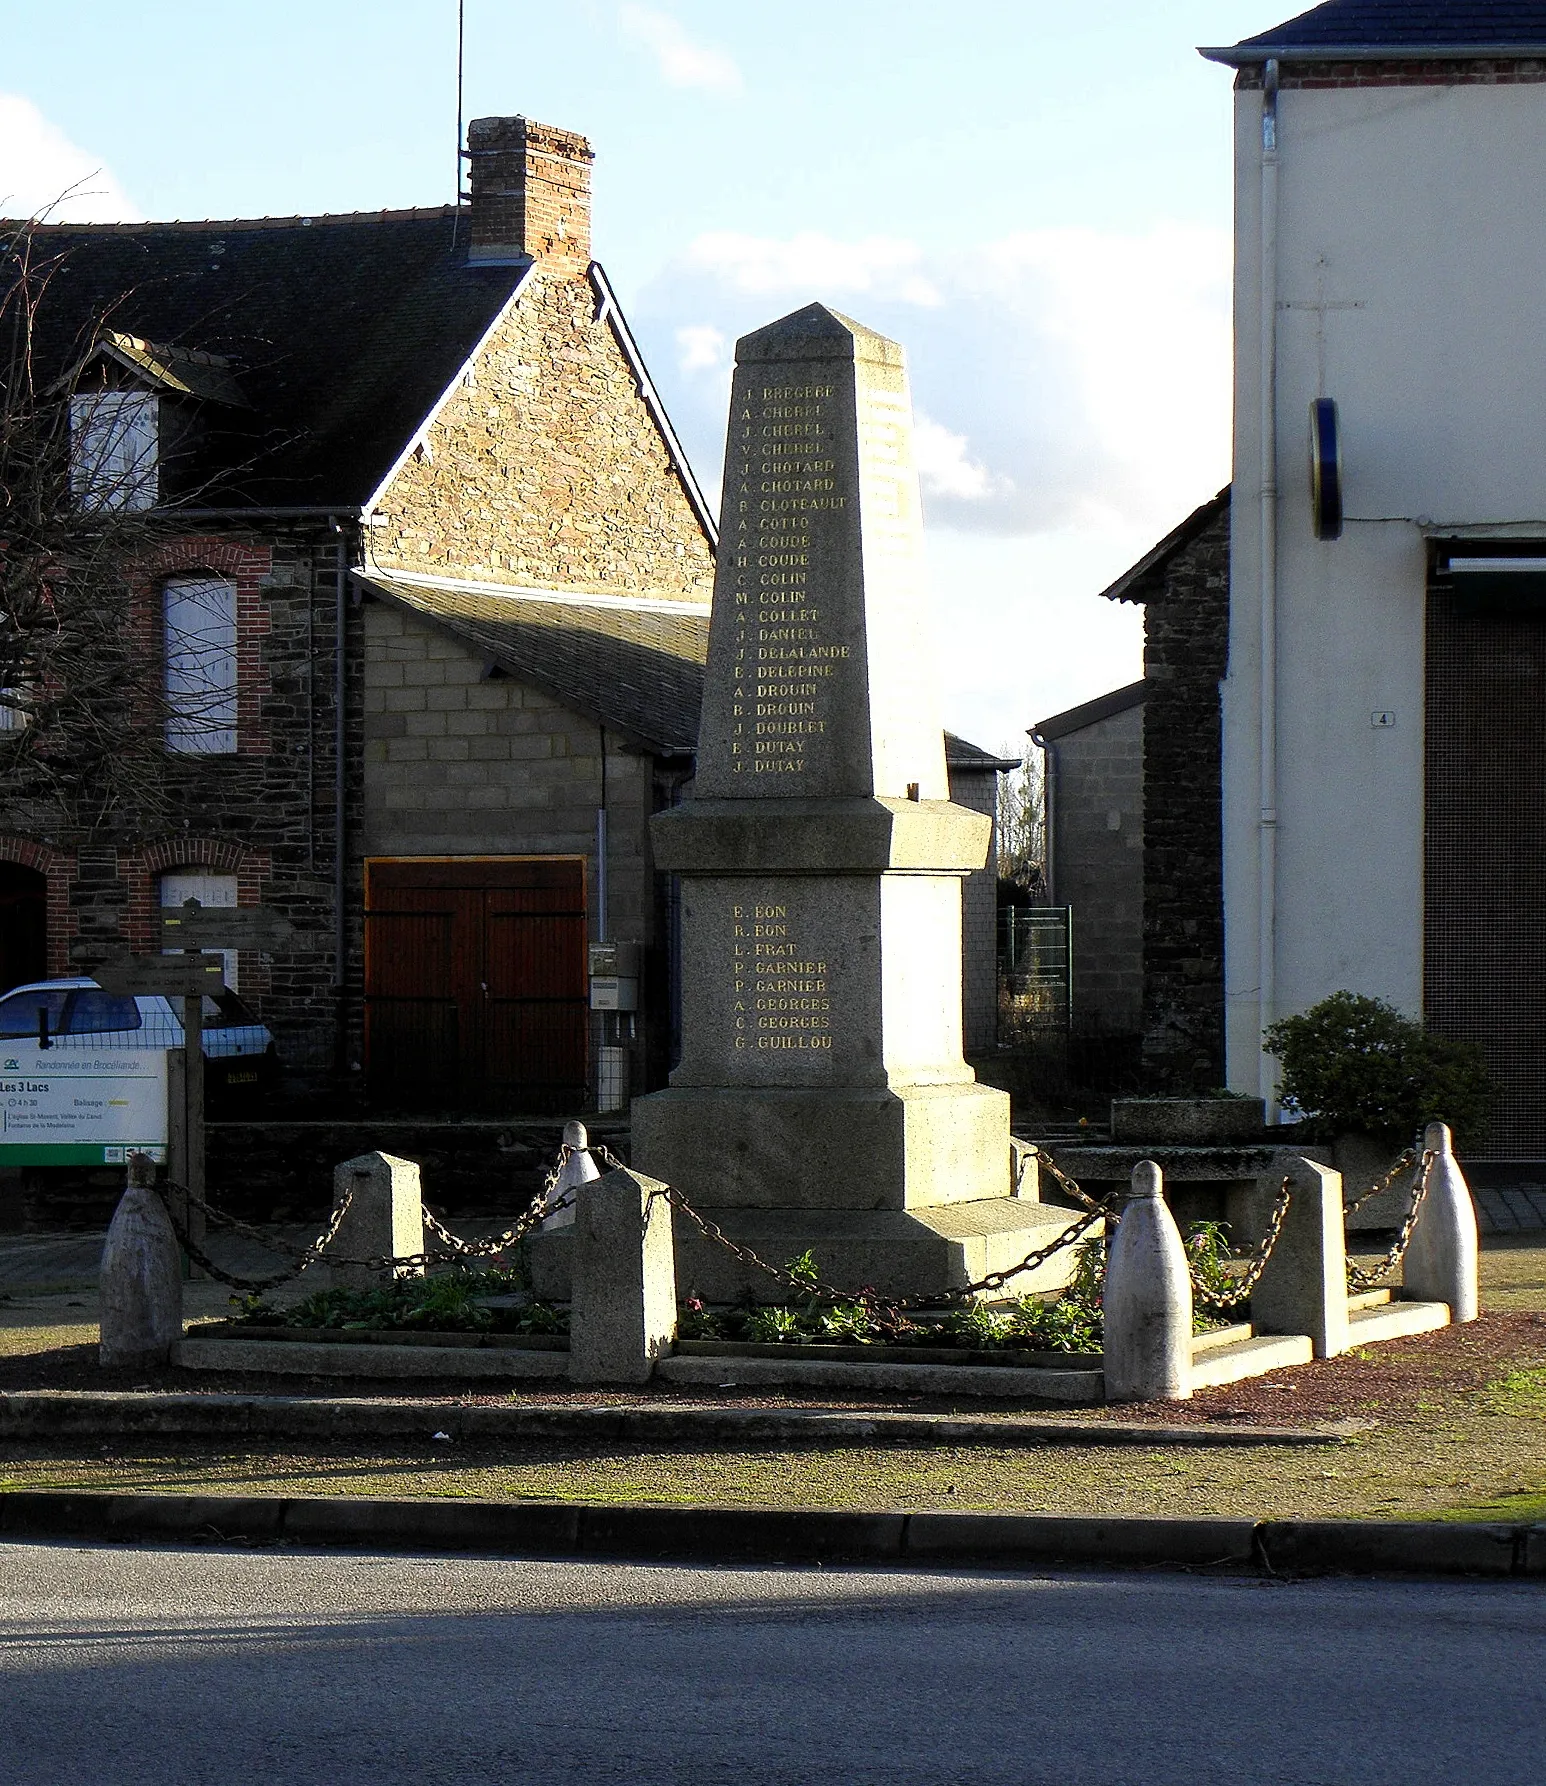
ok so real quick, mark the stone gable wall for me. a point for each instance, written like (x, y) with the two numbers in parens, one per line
(546, 469)
(1186, 654)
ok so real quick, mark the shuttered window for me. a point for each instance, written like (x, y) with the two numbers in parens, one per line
(115, 449)
(201, 665)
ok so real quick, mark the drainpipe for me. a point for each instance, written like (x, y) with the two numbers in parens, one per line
(601, 849)
(1267, 832)
(340, 783)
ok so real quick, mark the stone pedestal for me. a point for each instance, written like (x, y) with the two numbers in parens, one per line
(822, 1100)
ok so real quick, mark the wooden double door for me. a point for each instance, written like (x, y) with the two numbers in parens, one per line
(475, 983)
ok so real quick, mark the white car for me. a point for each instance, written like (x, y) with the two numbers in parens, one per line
(77, 1015)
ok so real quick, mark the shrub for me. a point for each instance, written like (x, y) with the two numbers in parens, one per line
(1358, 1063)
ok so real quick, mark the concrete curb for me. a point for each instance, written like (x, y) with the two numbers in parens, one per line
(787, 1535)
(56, 1413)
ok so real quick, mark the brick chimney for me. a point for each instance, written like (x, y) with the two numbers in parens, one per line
(530, 192)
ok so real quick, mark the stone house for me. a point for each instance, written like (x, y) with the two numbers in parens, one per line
(409, 402)
(449, 577)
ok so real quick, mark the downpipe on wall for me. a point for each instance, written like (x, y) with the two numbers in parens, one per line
(1267, 825)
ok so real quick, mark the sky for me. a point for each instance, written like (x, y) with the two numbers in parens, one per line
(1032, 197)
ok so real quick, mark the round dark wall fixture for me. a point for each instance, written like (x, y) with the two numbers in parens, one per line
(1325, 470)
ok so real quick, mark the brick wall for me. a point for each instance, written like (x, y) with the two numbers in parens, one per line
(546, 469)
(263, 814)
(1186, 650)
(1097, 775)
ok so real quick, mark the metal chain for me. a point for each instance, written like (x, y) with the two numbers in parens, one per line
(543, 1207)
(1372, 1276)
(1405, 1164)
(254, 1286)
(995, 1280)
(1251, 1276)
(1065, 1183)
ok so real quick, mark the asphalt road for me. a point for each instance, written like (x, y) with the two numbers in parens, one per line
(177, 1668)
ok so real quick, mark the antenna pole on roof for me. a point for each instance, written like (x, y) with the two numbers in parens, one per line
(461, 37)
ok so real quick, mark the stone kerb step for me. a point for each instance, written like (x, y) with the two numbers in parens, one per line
(1396, 1320)
(1250, 1358)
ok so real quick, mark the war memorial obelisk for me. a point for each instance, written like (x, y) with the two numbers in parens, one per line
(822, 1100)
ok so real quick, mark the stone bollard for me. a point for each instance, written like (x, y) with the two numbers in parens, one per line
(1303, 1286)
(141, 1278)
(386, 1216)
(578, 1168)
(1148, 1299)
(1441, 1259)
(623, 1282)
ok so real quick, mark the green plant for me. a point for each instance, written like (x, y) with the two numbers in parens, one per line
(773, 1327)
(1357, 1063)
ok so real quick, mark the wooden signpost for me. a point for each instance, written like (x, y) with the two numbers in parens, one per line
(192, 978)
(195, 926)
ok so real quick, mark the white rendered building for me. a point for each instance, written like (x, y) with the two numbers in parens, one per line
(1384, 712)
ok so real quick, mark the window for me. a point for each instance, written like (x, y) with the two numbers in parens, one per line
(13, 709)
(95, 1013)
(218, 891)
(19, 1012)
(114, 449)
(200, 635)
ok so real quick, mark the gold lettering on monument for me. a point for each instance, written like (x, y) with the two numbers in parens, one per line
(781, 1000)
(785, 673)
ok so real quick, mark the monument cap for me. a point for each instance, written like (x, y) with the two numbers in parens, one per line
(817, 333)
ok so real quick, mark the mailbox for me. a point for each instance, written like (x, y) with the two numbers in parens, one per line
(614, 976)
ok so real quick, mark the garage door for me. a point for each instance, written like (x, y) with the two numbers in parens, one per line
(475, 989)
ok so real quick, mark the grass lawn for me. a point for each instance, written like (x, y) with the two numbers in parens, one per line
(1450, 1425)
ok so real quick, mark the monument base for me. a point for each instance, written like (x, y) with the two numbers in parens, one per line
(833, 1147)
(899, 1253)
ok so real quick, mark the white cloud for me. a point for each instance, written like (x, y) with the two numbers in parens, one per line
(943, 467)
(42, 171)
(681, 61)
(879, 266)
(701, 348)
(1072, 392)
(1067, 378)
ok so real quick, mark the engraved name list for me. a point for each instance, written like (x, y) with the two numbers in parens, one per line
(788, 671)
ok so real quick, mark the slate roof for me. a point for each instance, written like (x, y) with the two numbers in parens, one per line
(341, 332)
(1399, 29)
(1147, 576)
(636, 669)
(1089, 713)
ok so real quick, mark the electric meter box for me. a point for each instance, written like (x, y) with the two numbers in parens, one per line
(614, 976)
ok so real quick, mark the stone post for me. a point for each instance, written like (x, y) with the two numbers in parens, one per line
(1303, 1287)
(578, 1168)
(386, 1217)
(623, 1303)
(1441, 1259)
(1148, 1299)
(141, 1278)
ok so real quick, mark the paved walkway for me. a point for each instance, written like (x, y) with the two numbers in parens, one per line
(149, 1667)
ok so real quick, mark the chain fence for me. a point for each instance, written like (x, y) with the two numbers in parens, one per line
(1405, 1164)
(1372, 1277)
(1239, 1293)
(453, 1251)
